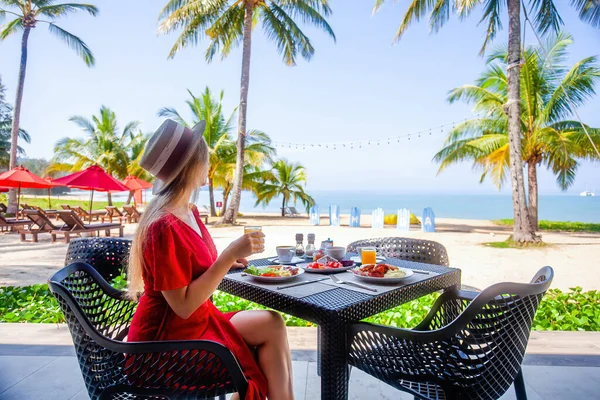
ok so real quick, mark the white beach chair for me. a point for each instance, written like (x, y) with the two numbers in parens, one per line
(377, 220)
(428, 222)
(315, 215)
(334, 215)
(403, 220)
(355, 217)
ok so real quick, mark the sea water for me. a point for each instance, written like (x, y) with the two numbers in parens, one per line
(551, 207)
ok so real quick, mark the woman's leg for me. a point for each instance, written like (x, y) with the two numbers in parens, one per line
(266, 331)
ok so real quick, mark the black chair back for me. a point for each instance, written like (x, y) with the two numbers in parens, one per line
(108, 256)
(418, 250)
(470, 346)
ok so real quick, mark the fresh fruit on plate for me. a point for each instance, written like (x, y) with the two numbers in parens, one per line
(329, 264)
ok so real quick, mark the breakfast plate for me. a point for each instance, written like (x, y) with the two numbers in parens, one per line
(273, 273)
(328, 268)
(381, 273)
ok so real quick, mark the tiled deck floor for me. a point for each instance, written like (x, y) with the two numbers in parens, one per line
(37, 362)
(50, 378)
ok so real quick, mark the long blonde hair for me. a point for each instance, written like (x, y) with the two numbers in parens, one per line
(175, 194)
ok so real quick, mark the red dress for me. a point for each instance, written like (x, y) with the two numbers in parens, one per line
(174, 255)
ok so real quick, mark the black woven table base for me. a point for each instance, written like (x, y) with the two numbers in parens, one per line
(336, 309)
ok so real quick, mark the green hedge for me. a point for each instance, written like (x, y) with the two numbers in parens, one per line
(559, 226)
(574, 310)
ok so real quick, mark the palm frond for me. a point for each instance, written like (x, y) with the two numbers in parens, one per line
(546, 16)
(61, 10)
(83, 123)
(226, 32)
(492, 14)
(14, 26)
(74, 43)
(589, 11)
(309, 12)
(170, 112)
(440, 14)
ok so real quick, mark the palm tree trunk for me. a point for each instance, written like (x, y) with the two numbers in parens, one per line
(12, 196)
(533, 193)
(225, 198)
(211, 196)
(283, 207)
(109, 197)
(131, 194)
(232, 211)
(523, 230)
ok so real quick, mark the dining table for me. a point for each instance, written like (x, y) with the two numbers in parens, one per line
(333, 307)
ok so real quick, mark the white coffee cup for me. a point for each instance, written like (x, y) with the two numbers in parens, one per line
(285, 253)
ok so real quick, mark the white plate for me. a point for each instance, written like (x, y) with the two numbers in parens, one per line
(295, 260)
(324, 270)
(358, 259)
(276, 279)
(373, 279)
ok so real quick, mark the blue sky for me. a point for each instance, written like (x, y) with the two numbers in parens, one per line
(361, 87)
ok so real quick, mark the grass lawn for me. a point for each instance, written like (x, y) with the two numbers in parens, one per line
(511, 244)
(56, 202)
(558, 226)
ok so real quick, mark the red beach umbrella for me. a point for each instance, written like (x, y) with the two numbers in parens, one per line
(20, 177)
(92, 178)
(3, 189)
(53, 183)
(136, 184)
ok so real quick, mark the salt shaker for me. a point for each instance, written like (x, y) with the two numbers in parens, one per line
(299, 245)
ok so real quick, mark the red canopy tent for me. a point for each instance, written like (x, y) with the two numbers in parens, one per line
(20, 177)
(92, 178)
(136, 185)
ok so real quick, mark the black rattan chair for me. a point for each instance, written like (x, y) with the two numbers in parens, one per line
(419, 250)
(98, 317)
(470, 345)
(108, 256)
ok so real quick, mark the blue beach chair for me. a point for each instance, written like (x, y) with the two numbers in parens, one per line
(315, 215)
(403, 220)
(428, 222)
(334, 215)
(355, 217)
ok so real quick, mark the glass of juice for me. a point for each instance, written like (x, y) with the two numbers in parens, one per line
(369, 255)
(250, 229)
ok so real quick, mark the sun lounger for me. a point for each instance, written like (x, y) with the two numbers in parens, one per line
(96, 214)
(41, 224)
(112, 212)
(12, 224)
(294, 212)
(131, 213)
(203, 212)
(74, 225)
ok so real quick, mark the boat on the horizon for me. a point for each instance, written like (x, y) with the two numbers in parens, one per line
(587, 193)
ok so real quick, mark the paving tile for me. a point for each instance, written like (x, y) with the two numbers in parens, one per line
(300, 371)
(391, 393)
(363, 386)
(81, 395)
(313, 383)
(14, 369)
(57, 380)
(554, 383)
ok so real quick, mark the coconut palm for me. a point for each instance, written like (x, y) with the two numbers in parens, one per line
(548, 135)
(217, 132)
(287, 180)
(5, 129)
(546, 19)
(226, 24)
(27, 15)
(104, 145)
(258, 153)
(136, 151)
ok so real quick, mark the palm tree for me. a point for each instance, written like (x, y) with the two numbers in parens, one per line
(258, 152)
(217, 132)
(547, 19)
(287, 180)
(136, 151)
(226, 24)
(5, 129)
(104, 145)
(548, 137)
(28, 14)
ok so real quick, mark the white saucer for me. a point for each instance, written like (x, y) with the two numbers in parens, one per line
(358, 259)
(295, 260)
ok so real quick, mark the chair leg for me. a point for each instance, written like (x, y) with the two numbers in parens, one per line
(520, 386)
(222, 397)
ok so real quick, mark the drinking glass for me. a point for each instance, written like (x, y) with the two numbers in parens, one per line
(369, 255)
(250, 229)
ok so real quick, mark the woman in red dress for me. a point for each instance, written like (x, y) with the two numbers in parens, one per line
(175, 262)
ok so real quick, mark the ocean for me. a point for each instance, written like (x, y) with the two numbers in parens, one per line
(551, 207)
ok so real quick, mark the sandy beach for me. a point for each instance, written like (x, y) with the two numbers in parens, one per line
(574, 256)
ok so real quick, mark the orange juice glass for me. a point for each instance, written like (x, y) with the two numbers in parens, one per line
(369, 255)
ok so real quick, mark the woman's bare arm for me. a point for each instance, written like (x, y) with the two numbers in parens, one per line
(184, 301)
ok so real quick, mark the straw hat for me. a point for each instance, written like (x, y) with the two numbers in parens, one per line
(169, 150)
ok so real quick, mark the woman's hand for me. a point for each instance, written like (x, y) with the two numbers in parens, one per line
(240, 263)
(246, 245)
